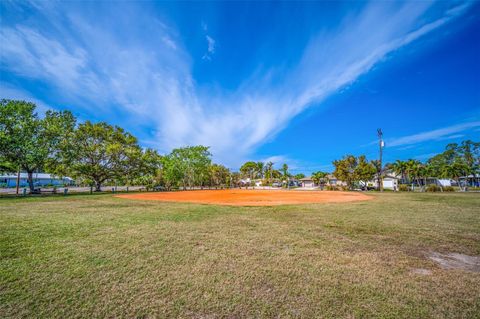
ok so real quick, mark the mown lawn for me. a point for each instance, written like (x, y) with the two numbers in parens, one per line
(100, 256)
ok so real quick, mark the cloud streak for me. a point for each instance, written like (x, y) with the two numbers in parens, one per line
(449, 132)
(103, 70)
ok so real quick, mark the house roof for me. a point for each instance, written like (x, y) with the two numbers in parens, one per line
(306, 179)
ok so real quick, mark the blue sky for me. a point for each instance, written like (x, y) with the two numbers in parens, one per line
(297, 82)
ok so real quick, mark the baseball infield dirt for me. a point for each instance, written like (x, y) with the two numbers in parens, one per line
(243, 197)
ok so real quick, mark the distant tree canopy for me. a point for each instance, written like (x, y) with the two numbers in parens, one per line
(249, 170)
(95, 153)
(458, 160)
(351, 169)
(299, 176)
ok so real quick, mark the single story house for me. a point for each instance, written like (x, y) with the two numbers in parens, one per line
(39, 180)
(331, 181)
(307, 182)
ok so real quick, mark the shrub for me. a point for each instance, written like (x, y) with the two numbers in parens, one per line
(448, 189)
(331, 188)
(403, 188)
(433, 188)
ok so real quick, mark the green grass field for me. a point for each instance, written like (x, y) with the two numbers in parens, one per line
(100, 256)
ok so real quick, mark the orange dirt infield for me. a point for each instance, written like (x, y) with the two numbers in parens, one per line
(242, 197)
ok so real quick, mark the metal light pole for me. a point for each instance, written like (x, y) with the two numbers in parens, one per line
(381, 145)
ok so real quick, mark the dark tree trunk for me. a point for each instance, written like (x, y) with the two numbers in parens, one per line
(30, 181)
(98, 186)
(18, 182)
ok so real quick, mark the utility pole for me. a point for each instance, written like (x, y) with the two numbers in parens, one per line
(381, 145)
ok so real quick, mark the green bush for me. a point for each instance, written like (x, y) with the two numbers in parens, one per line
(332, 188)
(433, 188)
(448, 189)
(403, 188)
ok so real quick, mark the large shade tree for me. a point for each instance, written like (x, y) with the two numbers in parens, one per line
(30, 143)
(365, 171)
(192, 163)
(103, 152)
(345, 170)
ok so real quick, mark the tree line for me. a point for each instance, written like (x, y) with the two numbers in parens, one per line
(456, 162)
(96, 153)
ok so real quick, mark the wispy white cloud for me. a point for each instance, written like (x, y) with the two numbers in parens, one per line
(12, 93)
(210, 48)
(97, 67)
(423, 157)
(449, 132)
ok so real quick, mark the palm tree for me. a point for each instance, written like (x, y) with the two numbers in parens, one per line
(427, 172)
(455, 170)
(260, 169)
(268, 171)
(400, 168)
(413, 171)
(285, 173)
(320, 178)
(285, 170)
(379, 171)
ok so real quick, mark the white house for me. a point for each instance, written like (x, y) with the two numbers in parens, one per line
(39, 180)
(307, 182)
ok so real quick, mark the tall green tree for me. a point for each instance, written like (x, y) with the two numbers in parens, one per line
(249, 170)
(171, 173)
(30, 143)
(379, 172)
(260, 169)
(269, 172)
(285, 170)
(219, 175)
(470, 152)
(144, 168)
(345, 170)
(193, 162)
(413, 171)
(365, 171)
(400, 168)
(455, 171)
(234, 179)
(103, 152)
(299, 176)
(320, 178)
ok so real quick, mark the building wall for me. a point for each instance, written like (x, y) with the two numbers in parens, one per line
(12, 182)
(308, 184)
